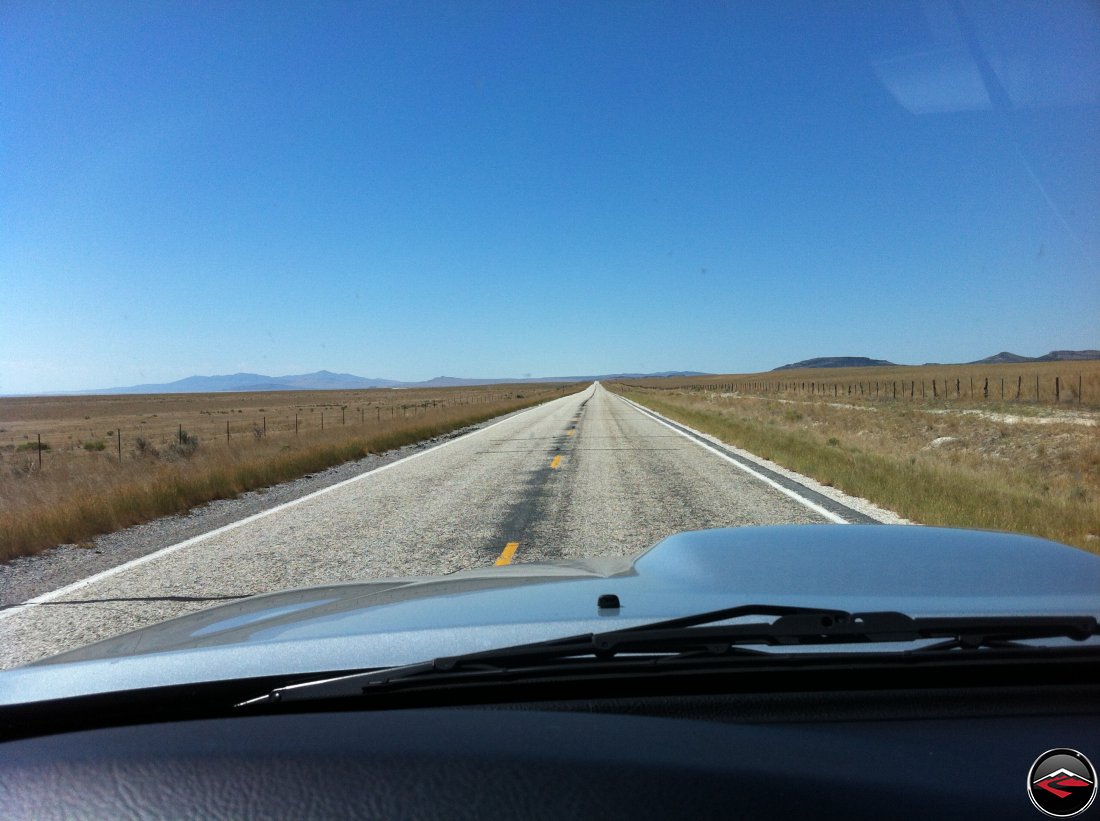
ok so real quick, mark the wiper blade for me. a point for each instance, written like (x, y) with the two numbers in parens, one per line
(698, 636)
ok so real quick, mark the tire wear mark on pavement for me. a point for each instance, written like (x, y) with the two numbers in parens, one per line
(72, 602)
(533, 503)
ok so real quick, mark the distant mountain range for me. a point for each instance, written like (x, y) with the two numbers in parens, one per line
(834, 362)
(1004, 357)
(1053, 356)
(327, 380)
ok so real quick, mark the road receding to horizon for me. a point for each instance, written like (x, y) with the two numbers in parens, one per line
(586, 475)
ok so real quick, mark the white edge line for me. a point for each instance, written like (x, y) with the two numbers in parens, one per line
(165, 551)
(786, 491)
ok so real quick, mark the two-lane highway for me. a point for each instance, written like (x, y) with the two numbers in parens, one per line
(584, 475)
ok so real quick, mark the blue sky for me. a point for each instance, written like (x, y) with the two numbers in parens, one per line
(405, 190)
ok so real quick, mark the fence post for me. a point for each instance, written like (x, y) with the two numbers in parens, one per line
(1036, 387)
(226, 430)
(40, 453)
(322, 420)
(295, 424)
(118, 438)
(265, 427)
(985, 390)
(1057, 390)
(181, 434)
(1019, 386)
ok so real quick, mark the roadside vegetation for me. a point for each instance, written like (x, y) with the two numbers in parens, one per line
(186, 450)
(955, 464)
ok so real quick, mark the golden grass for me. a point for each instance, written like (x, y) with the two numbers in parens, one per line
(1016, 475)
(78, 494)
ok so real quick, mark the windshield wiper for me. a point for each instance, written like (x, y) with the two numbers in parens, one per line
(698, 637)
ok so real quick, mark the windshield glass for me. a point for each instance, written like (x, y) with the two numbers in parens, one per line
(330, 293)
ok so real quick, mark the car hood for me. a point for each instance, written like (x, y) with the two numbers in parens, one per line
(916, 570)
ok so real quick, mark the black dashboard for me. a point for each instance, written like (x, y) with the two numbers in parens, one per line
(958, 753)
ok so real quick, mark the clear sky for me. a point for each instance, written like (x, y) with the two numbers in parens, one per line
(405, 190)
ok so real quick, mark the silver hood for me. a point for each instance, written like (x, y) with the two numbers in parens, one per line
(916, 570)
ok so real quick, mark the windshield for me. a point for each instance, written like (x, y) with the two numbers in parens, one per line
(303, 295)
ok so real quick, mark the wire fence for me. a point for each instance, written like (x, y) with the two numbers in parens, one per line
(1033, 388)
(156, 438)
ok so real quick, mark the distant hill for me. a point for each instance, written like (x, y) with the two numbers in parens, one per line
(1068, 356)
(327, 380)
(1004, 357)
(834, 362)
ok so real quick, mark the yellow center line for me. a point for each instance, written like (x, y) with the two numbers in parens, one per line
(570, 432)
(507, 554)
(555, 463)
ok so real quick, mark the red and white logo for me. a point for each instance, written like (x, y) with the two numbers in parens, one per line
(1061, 783)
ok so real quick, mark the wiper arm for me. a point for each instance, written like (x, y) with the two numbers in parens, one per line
(697, 635)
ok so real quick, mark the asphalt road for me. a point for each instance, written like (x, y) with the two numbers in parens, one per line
(584, 475)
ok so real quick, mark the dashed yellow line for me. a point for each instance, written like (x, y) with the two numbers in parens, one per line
(507, 554)
(555, 463)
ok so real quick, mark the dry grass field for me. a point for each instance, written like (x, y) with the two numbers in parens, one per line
(112, 461)
(1031, 467)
